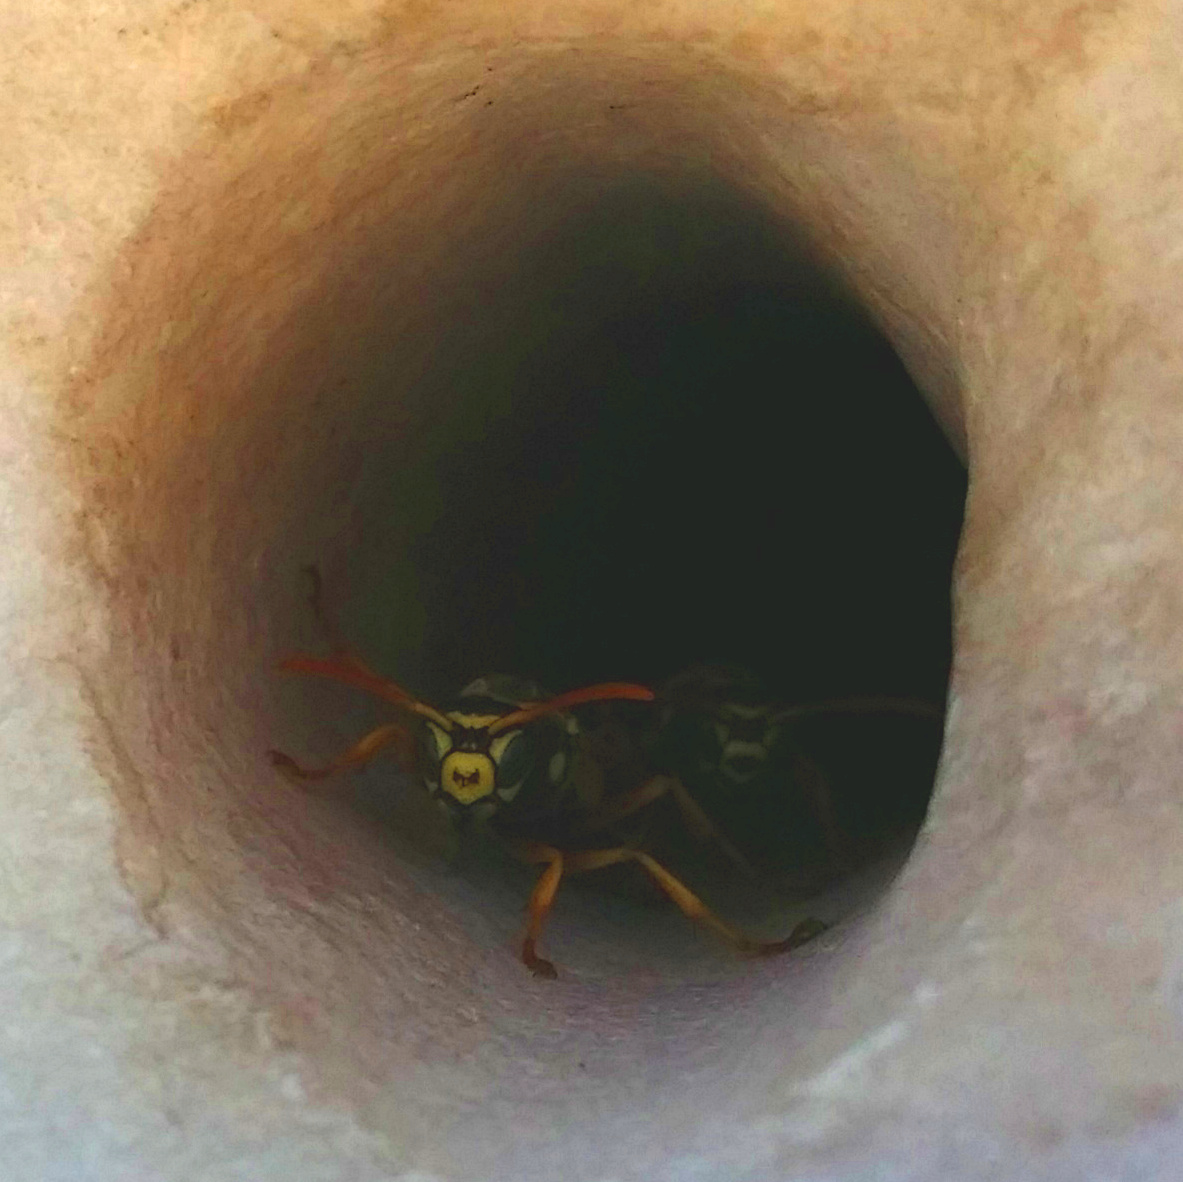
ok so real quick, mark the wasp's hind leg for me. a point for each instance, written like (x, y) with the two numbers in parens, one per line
(690, 904)
(839, 849)
(390, 734)
(694, 816)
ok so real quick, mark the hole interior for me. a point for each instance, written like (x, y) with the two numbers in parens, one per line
(561, 419)
(695, 451)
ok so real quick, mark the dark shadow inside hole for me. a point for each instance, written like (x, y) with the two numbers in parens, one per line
(687, 446)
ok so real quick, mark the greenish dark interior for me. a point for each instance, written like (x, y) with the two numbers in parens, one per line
(669, 439)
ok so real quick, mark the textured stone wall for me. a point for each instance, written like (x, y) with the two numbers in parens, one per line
(207, 380)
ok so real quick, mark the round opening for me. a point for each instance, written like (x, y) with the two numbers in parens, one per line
(687, 450)
(598, 415)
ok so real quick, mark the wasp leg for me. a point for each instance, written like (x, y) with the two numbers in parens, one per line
(908, 707)
(541, 901)
(694, 816)
(357, 756)
(689, 903)
(816, 786)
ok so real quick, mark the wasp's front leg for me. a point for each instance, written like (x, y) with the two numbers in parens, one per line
(541, 901)
(391, 734)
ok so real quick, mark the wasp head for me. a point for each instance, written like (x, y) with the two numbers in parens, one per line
(501, 740)
(718, 723)
(746, 736)
(475, 763)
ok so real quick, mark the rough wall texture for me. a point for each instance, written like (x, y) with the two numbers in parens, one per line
(206, 976)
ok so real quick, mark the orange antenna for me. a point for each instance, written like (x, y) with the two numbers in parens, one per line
(351, 671)
(429, 712)
(606, 692)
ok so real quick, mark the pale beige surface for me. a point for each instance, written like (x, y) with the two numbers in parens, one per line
(209, 977)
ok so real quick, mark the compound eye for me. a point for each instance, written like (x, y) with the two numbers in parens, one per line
(557, 768)
(441, 739)
(467, 776)
(512, 755)
(433, 752)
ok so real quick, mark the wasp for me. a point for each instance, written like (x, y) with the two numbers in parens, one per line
(740, 755)
(510, 757)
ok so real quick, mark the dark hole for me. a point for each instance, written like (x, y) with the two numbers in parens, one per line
(686, 446)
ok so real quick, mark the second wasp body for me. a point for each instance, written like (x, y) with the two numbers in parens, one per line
(742, 755)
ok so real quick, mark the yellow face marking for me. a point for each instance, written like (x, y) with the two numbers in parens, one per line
(467, 776)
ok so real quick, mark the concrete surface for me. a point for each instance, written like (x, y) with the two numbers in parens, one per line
(209, 380)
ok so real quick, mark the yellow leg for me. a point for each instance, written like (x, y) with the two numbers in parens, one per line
(541, 901)
(689, 903)
(694, 817)
(358, 755)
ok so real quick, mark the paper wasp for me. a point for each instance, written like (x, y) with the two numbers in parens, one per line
(739, 753)
(508, 756)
